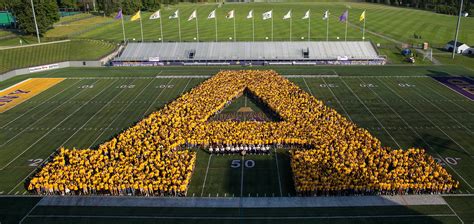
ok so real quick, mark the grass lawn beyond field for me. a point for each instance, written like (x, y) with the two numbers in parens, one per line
(75, 50)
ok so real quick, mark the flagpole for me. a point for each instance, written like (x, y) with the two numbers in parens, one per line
(327, 28)
(179, 27)
(272, 24)
(36, 24)
(161, 30)
(290, 27)
(253, 28)
(123, 31)
(197, 28)
(215, 22)
(347, 19)
(141, 25)
(235, 37)
(309, 25)
(363, 30)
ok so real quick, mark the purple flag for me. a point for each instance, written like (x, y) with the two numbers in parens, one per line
(119, 15)
(343, 17)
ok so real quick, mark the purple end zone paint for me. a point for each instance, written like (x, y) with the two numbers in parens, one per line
(462, 85)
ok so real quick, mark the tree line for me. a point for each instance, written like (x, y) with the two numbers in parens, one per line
(450, 7)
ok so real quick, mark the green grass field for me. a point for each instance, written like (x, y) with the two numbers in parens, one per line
(393, 22)
(402, 106)
(74, 27)
(75, 50)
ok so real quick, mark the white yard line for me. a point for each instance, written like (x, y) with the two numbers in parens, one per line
(353, 93)
(11, 87)
(85, 123)
(456, 91)
(309, 89)
(455, 213)
(419, 136)
(183, 76)
(47, 133)
(443, 111)
(242, 217)
(458, 195)
(29, 212)
(337, 100)
(121, 112)
(39, 119)
(422, 114)
(205, 177)
(242, 177)
(61, 144)
(446, 98)
(156, 98)
(40, 104)
(278, 172)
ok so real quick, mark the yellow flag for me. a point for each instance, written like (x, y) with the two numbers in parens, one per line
(137, 16)
(362, 16)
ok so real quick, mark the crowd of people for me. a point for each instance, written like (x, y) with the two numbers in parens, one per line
(152, 157)
(239, 149)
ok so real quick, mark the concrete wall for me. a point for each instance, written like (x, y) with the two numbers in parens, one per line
(66, 64)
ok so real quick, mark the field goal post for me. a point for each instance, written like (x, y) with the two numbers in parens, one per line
(428, 54)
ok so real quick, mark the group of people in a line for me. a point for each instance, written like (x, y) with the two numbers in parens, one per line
(239, 149)
(151, 158)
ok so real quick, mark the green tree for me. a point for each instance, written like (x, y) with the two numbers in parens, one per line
(108, 7)
(7, 4)
(47, 14)
(131, 6)
(70, 4)
(150, 5)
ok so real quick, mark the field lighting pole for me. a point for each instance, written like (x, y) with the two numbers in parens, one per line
(457, 30)
(36, 24)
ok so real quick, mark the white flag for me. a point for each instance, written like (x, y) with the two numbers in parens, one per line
(326, 15)
(230, 14)
(306, 15)
(212, 15)
(250, 15)
(175, 15)
(288, 15)
(192, 16)
(156, 15)
(267, 15)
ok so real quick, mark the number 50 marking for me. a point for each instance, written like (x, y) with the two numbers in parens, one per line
(248, 163)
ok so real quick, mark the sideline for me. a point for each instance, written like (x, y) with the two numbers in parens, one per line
(243, 202)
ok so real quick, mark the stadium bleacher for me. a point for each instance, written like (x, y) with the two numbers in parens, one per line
(248, 53)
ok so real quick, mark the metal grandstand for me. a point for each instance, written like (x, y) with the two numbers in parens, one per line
(248, 53)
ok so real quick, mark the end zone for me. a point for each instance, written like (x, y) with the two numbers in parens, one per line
(19, 93)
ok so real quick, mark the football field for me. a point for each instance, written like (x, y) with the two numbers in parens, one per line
(402, 106)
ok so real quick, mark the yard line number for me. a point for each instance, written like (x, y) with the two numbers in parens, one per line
(35, 162)
(329, 85)
(236, 163)
(406, 85)
(165, 86)
(368, 85)
(449, 160)
(86, 87)
(126, 87)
